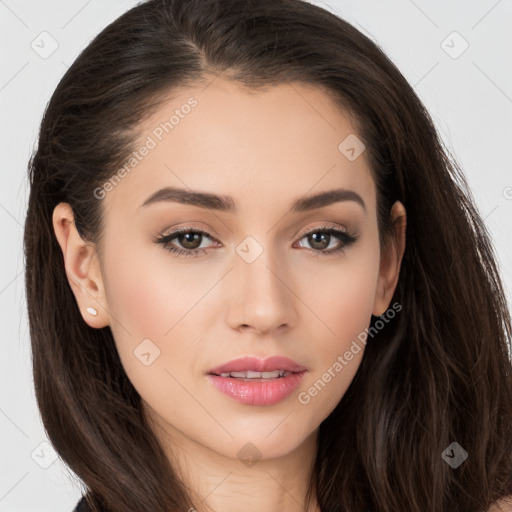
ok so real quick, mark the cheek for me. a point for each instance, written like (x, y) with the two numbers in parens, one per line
(151, 296)
(148, 295)
(153, 306)
(344, 296)
(343, 301)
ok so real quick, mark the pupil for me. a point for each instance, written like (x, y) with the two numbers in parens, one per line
(322, 243)
(189, 239)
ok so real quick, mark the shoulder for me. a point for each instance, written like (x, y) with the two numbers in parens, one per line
(502, 505)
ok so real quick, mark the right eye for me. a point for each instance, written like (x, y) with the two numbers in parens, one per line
(186, 237)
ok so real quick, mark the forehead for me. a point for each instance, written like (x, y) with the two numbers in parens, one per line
(283, 140)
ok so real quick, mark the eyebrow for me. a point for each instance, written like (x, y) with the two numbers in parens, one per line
(226, 203)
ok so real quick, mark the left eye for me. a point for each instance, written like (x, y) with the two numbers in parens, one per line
(191, 241)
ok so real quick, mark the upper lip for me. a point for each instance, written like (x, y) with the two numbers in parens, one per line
(255, 364)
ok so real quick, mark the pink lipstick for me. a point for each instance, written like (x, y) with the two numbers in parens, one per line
(254, 381)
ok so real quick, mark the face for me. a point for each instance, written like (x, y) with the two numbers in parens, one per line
(268, 274)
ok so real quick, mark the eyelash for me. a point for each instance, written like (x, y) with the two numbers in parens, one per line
(345, 237)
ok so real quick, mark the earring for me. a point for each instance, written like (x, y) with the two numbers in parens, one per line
(92, 311)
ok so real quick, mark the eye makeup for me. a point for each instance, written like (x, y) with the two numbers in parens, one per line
(182, 235)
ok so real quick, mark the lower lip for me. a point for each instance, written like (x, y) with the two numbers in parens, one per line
(258, 392)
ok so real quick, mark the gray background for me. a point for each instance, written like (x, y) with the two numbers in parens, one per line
(469, 96)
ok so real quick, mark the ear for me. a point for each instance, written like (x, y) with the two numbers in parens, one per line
(82, 267)
(391, 258)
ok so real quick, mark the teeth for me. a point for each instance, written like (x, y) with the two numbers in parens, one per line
(272, 375)
(256, 375)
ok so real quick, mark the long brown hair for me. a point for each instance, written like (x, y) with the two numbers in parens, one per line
(438, 373)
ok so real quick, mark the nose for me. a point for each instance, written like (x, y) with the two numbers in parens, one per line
(261, 294)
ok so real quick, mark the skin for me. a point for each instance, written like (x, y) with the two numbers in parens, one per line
(265, 149)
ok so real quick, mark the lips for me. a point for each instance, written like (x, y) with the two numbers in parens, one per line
(253, 381)
(253, 364)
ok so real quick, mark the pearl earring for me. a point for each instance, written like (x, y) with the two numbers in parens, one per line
(92, 311)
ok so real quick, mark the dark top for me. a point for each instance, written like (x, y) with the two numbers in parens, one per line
(81, 506)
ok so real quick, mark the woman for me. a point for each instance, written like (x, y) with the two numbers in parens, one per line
(256, 280)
